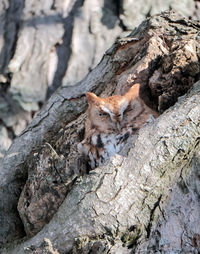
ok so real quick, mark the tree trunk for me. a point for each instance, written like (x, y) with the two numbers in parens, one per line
(133, 203)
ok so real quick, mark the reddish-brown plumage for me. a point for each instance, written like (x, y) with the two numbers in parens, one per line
(109, 119)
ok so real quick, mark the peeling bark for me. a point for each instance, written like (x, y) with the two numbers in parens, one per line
(117, 206)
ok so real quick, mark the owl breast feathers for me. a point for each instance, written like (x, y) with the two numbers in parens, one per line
(110, 122)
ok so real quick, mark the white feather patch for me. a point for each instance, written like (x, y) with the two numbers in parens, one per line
(123, 104)
(107, 110)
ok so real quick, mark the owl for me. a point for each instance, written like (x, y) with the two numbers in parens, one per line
(110, 122)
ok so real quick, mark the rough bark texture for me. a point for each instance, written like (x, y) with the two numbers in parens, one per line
(53, 43)
(125, 205)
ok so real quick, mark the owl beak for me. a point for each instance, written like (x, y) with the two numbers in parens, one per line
(118, 126)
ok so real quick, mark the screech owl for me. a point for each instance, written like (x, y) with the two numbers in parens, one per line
(110, 122)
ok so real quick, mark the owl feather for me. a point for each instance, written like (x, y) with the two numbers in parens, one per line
(110, 122)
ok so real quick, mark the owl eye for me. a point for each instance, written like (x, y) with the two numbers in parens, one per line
(103, 114)
(128, 109)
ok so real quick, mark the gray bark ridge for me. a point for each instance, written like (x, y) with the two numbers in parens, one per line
(178, 227)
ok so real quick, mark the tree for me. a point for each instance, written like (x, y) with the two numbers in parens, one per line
(127, 205)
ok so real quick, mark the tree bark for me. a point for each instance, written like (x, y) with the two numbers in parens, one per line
(124, 205)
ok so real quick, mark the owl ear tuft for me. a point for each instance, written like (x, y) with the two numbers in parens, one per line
(133, 92)
(91, 98)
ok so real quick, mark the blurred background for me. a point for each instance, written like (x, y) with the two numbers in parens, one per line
(51, 43)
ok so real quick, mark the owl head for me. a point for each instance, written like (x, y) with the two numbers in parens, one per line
(109, 114)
